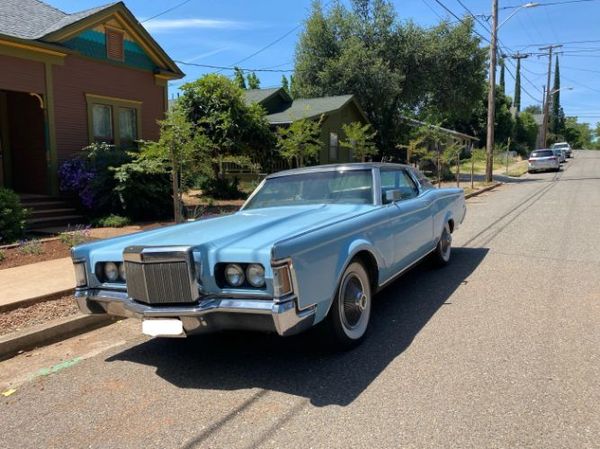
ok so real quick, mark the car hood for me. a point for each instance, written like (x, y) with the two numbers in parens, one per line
(240, 236)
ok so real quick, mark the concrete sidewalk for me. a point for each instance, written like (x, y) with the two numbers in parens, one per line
(20, 285)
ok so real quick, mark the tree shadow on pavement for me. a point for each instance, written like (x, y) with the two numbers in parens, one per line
(298, 365)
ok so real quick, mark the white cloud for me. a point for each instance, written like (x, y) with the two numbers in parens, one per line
(180, 24)
(207, 54)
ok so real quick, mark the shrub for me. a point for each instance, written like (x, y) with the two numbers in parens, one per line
(112, 221)
(2, 255)
(33, 247)
(109, 180)
(76, 236)
(12, 216)
(223, 189)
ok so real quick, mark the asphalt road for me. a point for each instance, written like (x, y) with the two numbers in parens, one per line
(499, 350)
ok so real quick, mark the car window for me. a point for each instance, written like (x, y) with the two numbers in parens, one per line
(425, 183)
(544, 153)
(398, 179)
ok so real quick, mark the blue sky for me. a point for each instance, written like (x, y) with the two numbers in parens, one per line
(226, 31)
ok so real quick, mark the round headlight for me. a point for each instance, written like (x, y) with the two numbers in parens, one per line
(234, 275)
(122, 273)
(111, 271)
(255, 274)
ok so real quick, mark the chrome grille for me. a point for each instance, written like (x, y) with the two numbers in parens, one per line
(160, 275)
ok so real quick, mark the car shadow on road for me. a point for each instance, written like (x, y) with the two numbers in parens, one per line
(298, 365)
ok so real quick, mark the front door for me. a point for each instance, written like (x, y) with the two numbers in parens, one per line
(27, 142)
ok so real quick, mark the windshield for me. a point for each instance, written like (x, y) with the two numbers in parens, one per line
(327, 187)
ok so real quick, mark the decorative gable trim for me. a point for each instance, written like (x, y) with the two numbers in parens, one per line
(128, 23)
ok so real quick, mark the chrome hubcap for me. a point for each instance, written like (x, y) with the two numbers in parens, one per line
(354, 301)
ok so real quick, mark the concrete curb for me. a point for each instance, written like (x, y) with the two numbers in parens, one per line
(485, 189)
(35, 300)
(51, 332)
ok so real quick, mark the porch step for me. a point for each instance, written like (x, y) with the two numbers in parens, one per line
(60, 220)
(47, 211)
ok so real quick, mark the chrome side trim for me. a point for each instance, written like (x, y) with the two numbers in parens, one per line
(404, 270)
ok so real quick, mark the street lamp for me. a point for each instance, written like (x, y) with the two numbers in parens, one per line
(489, 163)
(546, 114)
(519, 8)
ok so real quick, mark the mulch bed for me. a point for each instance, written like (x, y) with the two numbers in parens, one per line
(49, 250)
(43, 312)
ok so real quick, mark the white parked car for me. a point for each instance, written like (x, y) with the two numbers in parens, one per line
(563, 146)
(542, 160)
(560, 154)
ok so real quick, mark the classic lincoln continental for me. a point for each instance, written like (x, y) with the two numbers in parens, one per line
(310, 246)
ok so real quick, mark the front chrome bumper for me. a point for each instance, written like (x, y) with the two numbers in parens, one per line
(208, 315)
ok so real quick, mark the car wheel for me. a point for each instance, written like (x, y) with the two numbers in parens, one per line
(443, 250)
(350, 312)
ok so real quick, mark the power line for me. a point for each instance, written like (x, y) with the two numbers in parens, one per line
(166, 11)
(562, 43)
(474, 16)
(461, 20)
(523, 88)
(220, 67)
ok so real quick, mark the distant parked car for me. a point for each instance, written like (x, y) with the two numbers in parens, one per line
(563, 146)
(542, 160)
(310, 245)
(560, 154)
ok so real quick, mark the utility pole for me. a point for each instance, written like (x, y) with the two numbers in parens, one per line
(550, 49)
(491, 117)
(517, 100)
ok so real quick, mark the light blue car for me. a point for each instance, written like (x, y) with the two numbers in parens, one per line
(309, 247)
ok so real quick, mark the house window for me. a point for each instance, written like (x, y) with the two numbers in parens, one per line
(114, 45)
(102, 128)
(113, 120)
(334, 146)
(127, 126)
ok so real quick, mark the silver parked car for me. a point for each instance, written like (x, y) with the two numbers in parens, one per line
(560, 154)
(542, 160)
(563, 146)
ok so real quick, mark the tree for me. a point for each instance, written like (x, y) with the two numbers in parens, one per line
(359, 140)
(557, 116)
(517, 101)
(579, 135)
(285, 83)
(394, 68)
(526, 131)
(231, 130)
(534, 109)
(181, 151)
(414, 148)
(253, 81)
(238, 78)
(502, 85)
(300, 141)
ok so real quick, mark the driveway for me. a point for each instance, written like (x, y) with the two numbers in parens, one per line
(500, 349)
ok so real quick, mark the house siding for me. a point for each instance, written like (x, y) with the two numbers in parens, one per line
(21, 75)
(333, 124)
(81, 76)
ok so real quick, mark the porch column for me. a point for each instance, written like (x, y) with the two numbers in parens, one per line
(51, 155)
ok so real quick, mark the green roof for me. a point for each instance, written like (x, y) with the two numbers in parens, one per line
(308, 108)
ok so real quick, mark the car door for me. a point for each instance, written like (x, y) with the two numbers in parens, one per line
(411, 222)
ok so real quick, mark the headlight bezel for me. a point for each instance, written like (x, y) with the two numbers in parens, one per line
(221, 278)
(102, 276)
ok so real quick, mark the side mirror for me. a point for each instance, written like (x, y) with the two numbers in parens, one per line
(393, 195)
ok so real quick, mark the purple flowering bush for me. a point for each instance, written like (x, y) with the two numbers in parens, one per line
(76, 178)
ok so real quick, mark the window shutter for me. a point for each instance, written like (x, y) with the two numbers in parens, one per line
(114, 45)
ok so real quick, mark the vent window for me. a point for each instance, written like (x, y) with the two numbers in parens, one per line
(114, 45)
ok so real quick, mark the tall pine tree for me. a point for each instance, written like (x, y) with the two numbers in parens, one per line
(285, 83)
(555, 117)
(502, 75)
(517, 101)
(238, 78)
